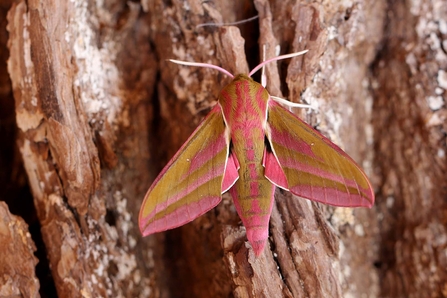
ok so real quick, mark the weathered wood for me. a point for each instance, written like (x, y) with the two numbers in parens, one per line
(410, 91)
(17, 261)
(81, 89)
(99, 111)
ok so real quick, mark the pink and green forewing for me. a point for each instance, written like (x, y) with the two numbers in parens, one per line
(192, 182)
(315, 168)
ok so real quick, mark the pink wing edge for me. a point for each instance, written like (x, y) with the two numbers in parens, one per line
(229, 179)
(275, 174)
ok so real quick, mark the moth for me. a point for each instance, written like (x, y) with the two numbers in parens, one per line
(249, 144)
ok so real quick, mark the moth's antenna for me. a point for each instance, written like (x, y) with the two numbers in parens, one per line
(276, 59)
(263, 76)
(227, 24)
(291, 104)
(205, 65)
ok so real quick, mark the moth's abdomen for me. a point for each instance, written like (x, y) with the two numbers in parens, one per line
(244, 104)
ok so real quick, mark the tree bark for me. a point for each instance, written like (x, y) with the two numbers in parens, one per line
(82, 114)
(410, 123)
(99, 111)
(17, 276)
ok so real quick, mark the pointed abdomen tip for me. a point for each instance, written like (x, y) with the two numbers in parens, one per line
(258, 247)
(257, 238)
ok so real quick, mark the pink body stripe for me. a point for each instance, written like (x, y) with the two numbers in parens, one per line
(244, 106)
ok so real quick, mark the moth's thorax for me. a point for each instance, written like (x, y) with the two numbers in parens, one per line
(244, 106)
(243, 102)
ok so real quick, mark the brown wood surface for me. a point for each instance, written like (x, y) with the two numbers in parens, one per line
(91, 111)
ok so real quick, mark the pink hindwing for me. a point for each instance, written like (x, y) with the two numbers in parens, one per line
(248, 144)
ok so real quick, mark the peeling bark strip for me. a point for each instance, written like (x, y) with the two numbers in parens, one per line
(70, 86)
(47, 93)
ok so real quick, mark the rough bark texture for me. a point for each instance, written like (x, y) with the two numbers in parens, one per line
(82, 123)
(17, 262)
(410, 83)
(99, 111)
